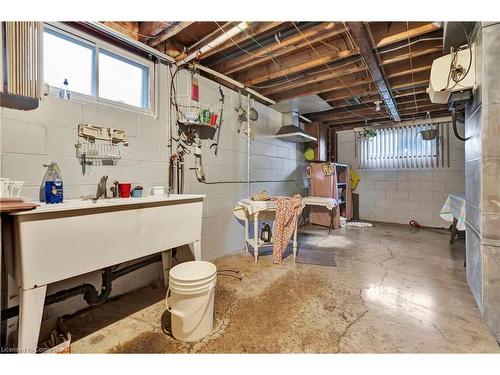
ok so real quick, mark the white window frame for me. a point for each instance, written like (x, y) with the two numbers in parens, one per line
(98, 45)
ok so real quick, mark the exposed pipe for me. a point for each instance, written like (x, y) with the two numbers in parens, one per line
(216, 42)
(90, 293)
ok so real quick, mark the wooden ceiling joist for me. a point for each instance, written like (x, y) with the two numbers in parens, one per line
(297, 62)
(288, 45)
(325, 86)
(407, 114)
(311, 78)
(346, 93)
(400, 33)
(168, 33)
(349, 65)
(255, 29)
(403, 54)
(362, 39)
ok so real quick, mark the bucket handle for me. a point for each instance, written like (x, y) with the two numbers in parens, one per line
(180, 314)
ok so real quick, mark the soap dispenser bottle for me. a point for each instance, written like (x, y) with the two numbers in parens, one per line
(51, 190)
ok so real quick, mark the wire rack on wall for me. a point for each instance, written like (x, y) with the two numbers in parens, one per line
(99, 145)
(191, 112)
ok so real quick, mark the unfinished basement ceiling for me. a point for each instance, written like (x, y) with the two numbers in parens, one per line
(349, 65)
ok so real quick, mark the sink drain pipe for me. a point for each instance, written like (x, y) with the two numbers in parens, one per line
(90, 293)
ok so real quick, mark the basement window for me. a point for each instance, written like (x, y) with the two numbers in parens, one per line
(95, 71)
(403, 147)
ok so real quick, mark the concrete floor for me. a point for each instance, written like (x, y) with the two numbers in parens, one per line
(395, 290)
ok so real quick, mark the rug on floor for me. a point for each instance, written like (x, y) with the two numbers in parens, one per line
(317, 257)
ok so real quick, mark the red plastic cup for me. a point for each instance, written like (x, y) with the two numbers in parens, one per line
(124, 190)
(213, 119)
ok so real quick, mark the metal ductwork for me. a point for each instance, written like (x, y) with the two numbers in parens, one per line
(291, 130)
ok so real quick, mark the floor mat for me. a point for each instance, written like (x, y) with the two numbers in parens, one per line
(317, 257)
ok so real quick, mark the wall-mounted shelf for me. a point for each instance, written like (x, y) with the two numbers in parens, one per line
(99, 145)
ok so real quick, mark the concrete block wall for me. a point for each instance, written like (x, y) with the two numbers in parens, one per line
(270, 159)
(400, 195)
(31, 138)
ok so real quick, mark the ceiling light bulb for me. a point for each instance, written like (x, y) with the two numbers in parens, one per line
(377, 105)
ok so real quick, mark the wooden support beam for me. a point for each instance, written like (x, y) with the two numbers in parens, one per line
(310, 78)
(398, 32)
(148, 30)
(417, 50)
(328, 85)
(295, 63)
(206, 40)
(349, 125)
(128, 28)
(168, 33)
(361, 91)
(256, 29)
(409, 84)
(362, 40)
(416, 91)
(359, 121)
(288, 45)
(416, 65)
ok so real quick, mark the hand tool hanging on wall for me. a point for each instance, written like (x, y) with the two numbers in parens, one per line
(198, 164)
(221, 100)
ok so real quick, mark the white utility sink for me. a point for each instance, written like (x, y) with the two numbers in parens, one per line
(58, 241)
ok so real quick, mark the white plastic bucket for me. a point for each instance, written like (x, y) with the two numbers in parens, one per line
(190, 299)
(343, 222)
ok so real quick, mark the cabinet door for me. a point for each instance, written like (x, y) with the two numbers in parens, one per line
(321, 186)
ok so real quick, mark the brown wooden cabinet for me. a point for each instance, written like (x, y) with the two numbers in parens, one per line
(336, 185)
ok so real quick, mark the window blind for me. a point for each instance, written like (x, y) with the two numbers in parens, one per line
(403, 147)
(22, 50)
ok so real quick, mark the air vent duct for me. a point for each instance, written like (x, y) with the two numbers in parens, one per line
(291, 130)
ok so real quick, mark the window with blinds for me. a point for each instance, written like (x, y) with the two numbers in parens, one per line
(404, 147)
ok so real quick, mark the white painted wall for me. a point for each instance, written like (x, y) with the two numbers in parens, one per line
(32, 138)
(398, 196)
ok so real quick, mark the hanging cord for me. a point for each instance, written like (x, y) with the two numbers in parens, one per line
(454, 123)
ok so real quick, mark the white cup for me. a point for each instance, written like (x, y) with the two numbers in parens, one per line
(16, 187)
(158, 190)
(4, 187)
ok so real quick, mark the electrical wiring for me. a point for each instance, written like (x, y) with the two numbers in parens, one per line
(454, 62)
(330, 69)
(470, 56)
(302, 75)
(408, 44)
(250, 53)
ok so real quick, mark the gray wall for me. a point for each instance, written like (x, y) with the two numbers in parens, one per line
(401, 195)
(483, 178)
(49, 133)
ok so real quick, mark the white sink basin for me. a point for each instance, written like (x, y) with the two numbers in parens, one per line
(77, 204)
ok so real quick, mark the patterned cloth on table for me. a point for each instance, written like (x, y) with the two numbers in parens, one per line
(288, 211)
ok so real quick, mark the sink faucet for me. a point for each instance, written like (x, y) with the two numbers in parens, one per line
(102, 191)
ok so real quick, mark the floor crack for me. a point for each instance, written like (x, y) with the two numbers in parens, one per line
(356, 320)
(381, 263)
